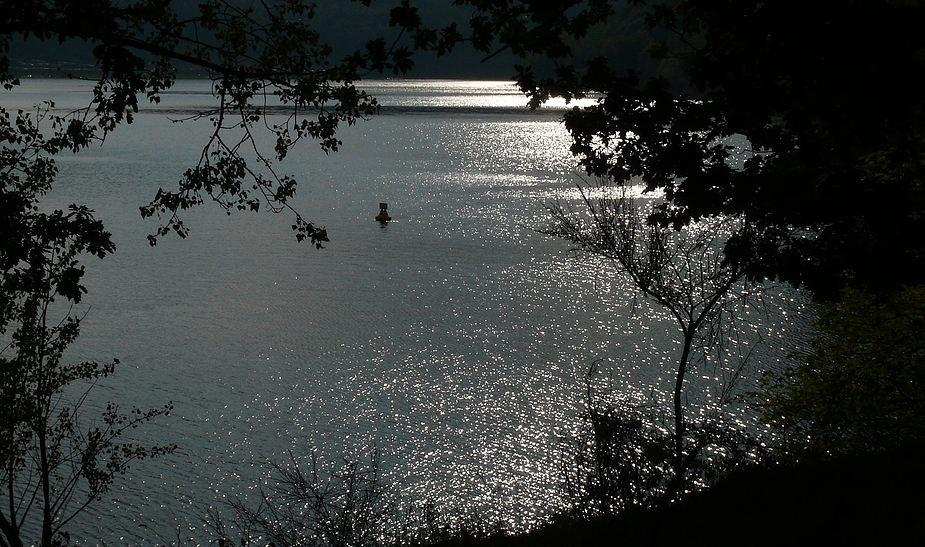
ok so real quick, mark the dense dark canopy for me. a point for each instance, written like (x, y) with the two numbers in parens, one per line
(827, 94)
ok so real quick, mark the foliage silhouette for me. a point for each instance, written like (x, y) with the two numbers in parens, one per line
(684, 273)
(861, 385)
(825, 96)
(313, 502)
(828, 171)
(53, 462)
(264, 59)
(623, 459)
(337, 506)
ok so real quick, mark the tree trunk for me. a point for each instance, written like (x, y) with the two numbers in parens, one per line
(679, 464)
(10, 532)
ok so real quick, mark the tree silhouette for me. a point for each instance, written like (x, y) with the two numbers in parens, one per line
(825, 97)
(803, 120)
(684, 273)
(253, 52)
(54, 461)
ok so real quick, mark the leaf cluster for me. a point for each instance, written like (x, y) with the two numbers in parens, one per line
(804, 119)
(53, 463)
(39, 250)
(861, 385)
(310, 504)
(271, 70)
(623, 459)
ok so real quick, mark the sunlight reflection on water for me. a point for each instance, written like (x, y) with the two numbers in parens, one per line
(454, 339)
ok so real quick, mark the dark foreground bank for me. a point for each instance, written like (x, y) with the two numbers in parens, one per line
(870, 500)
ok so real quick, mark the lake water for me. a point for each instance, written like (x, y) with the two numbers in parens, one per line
(454, 339)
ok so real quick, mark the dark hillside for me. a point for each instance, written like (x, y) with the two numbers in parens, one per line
(874, 500)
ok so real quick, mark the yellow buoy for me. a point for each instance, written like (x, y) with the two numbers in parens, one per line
(383, 215)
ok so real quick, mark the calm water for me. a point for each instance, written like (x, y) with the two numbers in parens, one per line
(453, 340)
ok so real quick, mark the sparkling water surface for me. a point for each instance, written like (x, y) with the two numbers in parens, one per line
(452, 340)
